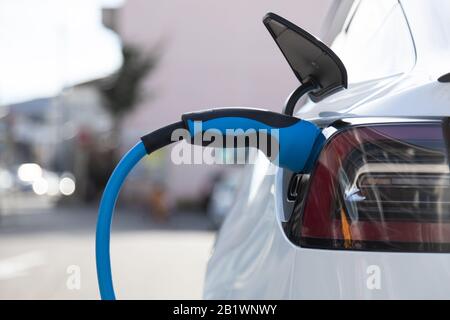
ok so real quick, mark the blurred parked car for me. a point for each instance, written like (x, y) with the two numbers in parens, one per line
(223, 195)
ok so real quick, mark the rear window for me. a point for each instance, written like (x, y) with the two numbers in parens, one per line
(375, 41)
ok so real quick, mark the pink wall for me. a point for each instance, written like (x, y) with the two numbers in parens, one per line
(216, 53)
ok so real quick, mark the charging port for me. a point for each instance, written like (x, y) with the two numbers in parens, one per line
(293, 188)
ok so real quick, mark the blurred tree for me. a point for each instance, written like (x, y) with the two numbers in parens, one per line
(123, 90)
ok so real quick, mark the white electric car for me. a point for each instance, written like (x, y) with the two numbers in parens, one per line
(372, 219)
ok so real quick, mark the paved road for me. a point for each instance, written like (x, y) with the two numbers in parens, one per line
(43, 250)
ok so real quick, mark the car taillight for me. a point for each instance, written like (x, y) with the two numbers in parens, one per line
(380, 187)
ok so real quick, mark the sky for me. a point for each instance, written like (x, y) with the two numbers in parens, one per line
(48, 45)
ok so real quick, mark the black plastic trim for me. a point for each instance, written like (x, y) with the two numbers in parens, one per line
(273, 119)
(161, 137)
(446, 134)
(444, 78)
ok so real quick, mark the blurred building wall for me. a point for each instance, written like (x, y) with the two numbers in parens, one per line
(47, 46)
(214, 54)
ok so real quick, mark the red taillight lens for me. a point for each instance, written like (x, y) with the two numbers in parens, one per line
(382, 187)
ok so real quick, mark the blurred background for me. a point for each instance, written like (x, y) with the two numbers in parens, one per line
(80, 82)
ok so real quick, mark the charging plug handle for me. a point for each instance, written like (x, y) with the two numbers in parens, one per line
(297, 139)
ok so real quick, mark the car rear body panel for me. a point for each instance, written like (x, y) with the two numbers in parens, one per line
(253, 258)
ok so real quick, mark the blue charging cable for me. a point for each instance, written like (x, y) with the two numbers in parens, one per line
(299, 144)
(105, 214)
